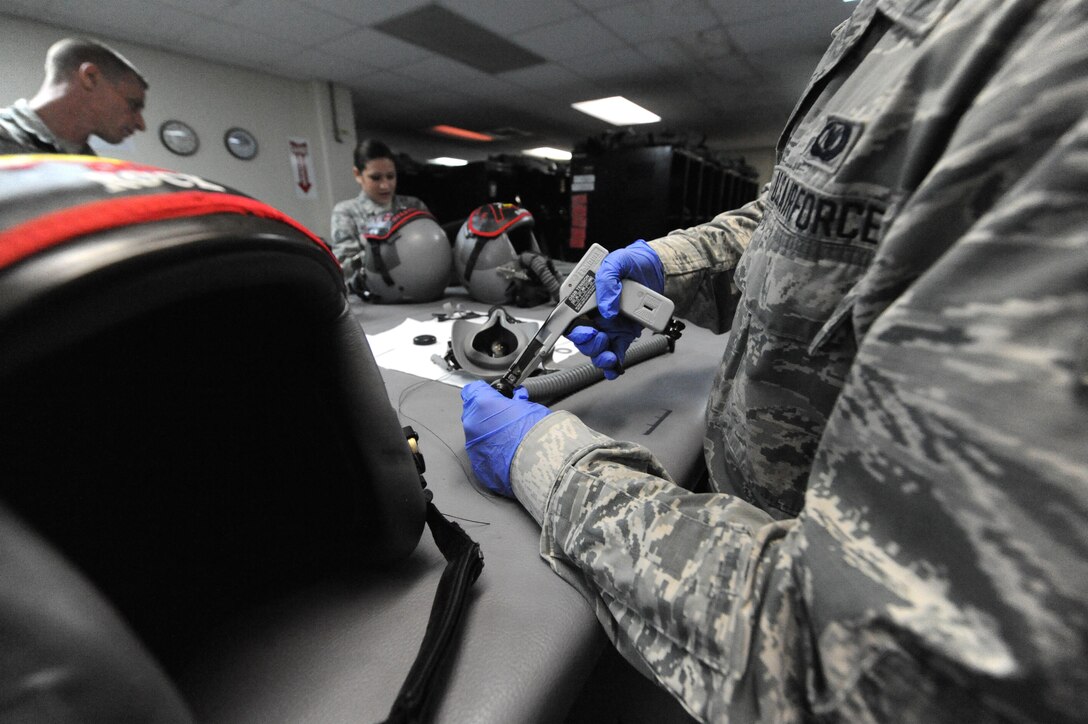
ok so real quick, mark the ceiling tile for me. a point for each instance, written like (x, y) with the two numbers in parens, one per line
(708, 43)
(456, 37)
(731, 11)
(552, 79)
(435, 70)
(761, 36)
(784, 75)
(389, 83)
(236, 45)
(496, 90)
(450, 107)
(210, 8)
(651, 19)
(744, 120)
(731, 70)
(287, 19)
(403, 115)
(578, 124)
(730, 97)
(471, 83)
(666, 52)
(510, 16)
(568, 39)
(613, 66)
(366, 12)
(314, 64)
(376, 110)
(671, 102)
(149, 22)
(439, 98)
(593, 5)
(376, 49)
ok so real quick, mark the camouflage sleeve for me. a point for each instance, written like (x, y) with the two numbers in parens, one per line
(696, 591)
(345, 234)
(699, 262)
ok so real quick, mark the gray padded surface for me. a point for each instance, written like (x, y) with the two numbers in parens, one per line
(528, 642)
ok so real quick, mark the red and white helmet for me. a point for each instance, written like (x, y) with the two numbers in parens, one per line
(493, 236)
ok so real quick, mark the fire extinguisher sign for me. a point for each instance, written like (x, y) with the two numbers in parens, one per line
(302, 168)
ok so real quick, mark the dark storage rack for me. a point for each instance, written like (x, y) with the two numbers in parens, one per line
(609, 194)
(630, 193)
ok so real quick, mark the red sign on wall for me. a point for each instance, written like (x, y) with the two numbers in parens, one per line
(579, 208)
(302, 166)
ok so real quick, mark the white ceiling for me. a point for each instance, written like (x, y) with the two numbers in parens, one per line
(726, 70)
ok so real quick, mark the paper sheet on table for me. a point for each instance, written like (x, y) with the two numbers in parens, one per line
(395, 350)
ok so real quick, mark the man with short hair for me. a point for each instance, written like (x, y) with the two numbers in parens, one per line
(89, 88)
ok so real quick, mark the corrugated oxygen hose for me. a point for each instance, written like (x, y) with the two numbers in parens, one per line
(545, 388)
(538, 265)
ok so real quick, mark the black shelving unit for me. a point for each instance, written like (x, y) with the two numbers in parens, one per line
(622, 194)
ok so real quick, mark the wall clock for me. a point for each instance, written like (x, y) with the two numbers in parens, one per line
(240, 143)
(179, 138)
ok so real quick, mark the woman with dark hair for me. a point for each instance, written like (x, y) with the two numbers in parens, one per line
(376, 173)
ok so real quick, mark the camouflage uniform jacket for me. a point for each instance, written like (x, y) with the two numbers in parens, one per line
(23, 131)
(916, 274)
(350, 221)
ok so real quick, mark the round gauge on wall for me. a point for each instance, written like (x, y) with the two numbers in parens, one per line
(240, 143)
(179, 137)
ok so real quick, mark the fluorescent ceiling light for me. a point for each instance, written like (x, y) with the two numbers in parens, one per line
(617, 110)
(554, 154)
(447, 161)
(456, 132)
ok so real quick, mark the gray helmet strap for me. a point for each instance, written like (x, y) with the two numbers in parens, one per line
(474, 255)
(379, 262)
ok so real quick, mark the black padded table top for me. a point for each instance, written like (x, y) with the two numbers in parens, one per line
(528, 640)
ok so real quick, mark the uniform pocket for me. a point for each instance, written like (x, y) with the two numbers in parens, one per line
(795, 286)
(842, 313)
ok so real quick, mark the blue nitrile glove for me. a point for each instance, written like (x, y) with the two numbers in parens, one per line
(494, 426)
(607, 344)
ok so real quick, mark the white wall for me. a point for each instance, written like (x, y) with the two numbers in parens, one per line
(212, 98)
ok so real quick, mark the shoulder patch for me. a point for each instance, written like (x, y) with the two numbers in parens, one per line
(833, 143)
